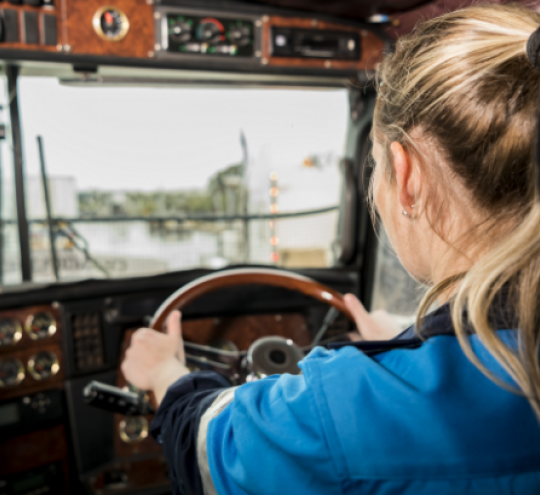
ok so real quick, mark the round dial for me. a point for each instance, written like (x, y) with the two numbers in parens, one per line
(11, 372)
(40, 325)
(210, 31)
(111, 24)
(133, 429)
(10, 331)
(43, 365)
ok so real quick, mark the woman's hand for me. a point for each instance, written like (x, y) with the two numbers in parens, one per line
(378, 325)
(155, 360)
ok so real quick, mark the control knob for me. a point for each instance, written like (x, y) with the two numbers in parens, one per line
(239, 35)
(180, 32)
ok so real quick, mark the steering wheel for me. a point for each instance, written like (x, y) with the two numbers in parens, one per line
(267, 355)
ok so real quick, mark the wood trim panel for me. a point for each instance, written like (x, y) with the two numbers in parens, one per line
(142, 474)
(29, 385)
(83, 40)
(35, 449)
(26, 341)
(372, 45)
(40, 10)
(244, 330)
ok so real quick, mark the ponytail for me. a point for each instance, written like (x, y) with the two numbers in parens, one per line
(464, 81)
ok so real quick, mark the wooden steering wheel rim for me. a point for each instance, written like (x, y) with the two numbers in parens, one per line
(246, 276)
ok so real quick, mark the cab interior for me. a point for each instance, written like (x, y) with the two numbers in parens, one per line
(146, 144)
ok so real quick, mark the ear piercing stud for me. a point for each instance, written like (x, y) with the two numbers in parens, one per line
(406, 215)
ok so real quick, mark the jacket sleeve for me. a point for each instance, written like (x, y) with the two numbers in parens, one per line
(266, 437)
(176, 424)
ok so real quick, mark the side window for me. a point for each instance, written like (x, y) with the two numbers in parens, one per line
(394, 289)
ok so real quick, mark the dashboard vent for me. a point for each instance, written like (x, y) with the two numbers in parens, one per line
(88, 341)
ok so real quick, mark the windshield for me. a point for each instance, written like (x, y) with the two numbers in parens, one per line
(148, 180)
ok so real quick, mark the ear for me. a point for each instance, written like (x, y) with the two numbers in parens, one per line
(405, 178)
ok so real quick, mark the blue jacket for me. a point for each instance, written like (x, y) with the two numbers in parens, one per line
(417, 419)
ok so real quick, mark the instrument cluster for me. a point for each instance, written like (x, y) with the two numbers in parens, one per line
(30, 351)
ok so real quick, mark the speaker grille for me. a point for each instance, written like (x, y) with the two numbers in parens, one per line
(88, 341)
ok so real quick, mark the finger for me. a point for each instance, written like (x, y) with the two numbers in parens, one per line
(356, 308)
(174, 327)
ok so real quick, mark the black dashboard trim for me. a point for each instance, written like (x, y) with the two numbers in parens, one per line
(29, 294)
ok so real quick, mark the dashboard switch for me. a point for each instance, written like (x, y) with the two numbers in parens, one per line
(50, 30)
(31, 28)
(11, 26)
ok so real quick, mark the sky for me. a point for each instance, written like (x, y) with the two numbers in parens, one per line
(153, 138)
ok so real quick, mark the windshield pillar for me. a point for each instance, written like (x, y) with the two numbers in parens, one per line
(16, 136)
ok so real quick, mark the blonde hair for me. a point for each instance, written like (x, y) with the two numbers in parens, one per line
(463, 82)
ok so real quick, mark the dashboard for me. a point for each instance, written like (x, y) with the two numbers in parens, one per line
(55, 340)
(173, 34)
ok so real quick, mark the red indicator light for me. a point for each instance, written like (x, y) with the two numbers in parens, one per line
(109, 19)
(275, 257)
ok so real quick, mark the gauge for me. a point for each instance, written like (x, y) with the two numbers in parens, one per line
(111, 24)
(10, 331)
(210, 31)
(133, 429)
(11, 372)
(43, 365)
(40, 325)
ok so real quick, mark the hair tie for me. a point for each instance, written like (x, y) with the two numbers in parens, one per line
(533, 46)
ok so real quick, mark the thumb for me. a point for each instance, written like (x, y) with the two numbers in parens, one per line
(174, 328)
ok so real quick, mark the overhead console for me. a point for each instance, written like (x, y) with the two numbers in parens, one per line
(148, 33)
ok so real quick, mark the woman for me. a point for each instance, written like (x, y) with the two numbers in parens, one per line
(458, 410)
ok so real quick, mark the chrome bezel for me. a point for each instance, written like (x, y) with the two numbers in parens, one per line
(50, 331)
(122, 429)
(30, 366)
(96, 23)
(20, 374)
(18, 332)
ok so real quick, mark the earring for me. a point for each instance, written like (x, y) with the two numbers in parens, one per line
(406, 215)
